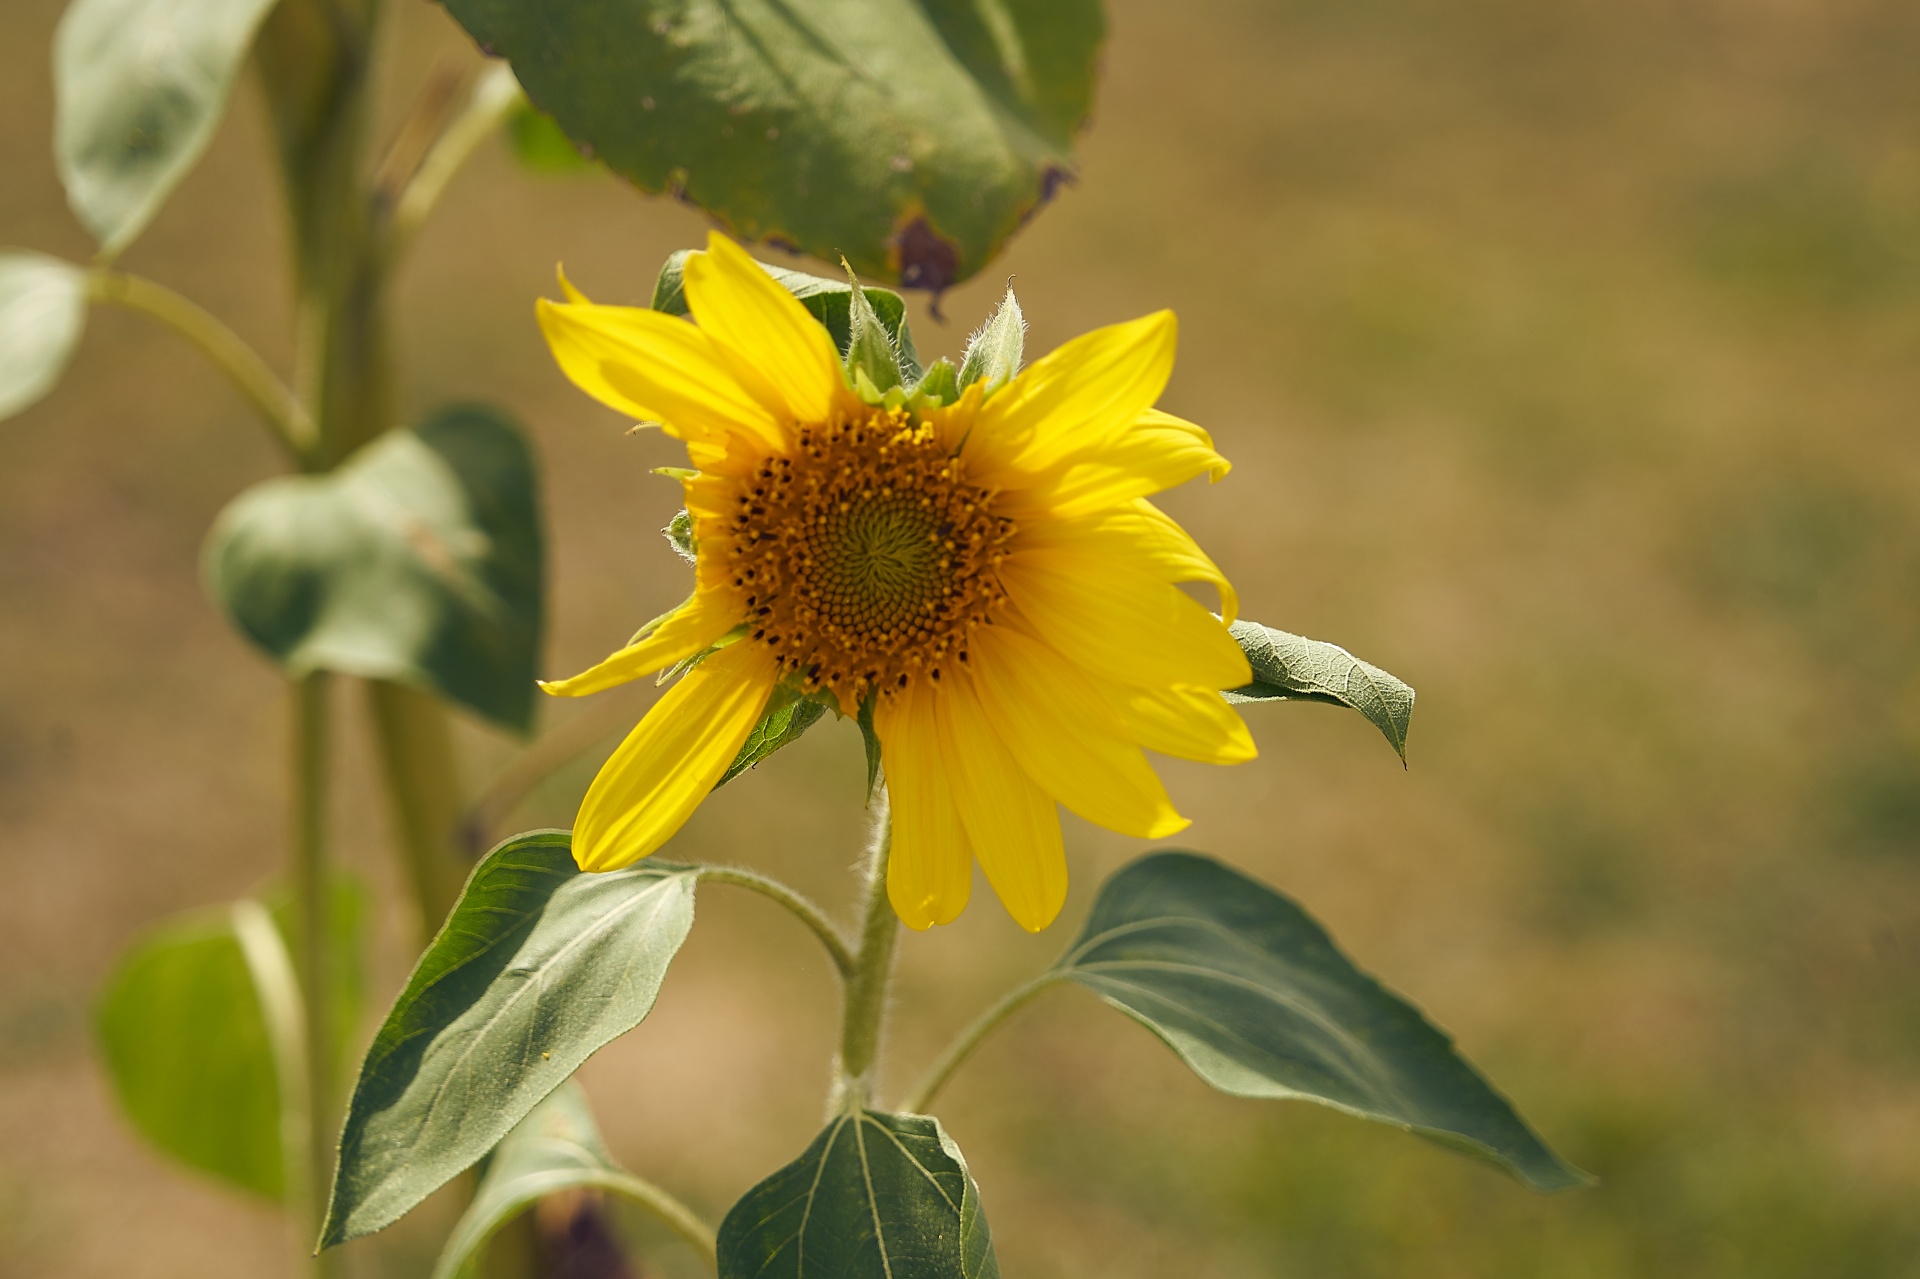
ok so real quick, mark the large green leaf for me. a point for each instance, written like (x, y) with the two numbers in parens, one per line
(830, 302)
(556, 1147)
(912, 136)
(1289, 668)
(198, 1023)
(1257, 999)
(419, 561)
(535, 969)
(43, 308)
(139, 87)
(876, 1196)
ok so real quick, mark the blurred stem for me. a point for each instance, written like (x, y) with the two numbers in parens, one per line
(865, 1007)
(494, 97)
(809, 914)
(917, 1101)
(312, 948)
(415, 741)
(220, 344)
(277, 984)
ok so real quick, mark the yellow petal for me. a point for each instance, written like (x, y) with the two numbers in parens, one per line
(1138, 533)
(1075, 399)
(653, 366)
(649, 787)
(772, 343)
(930, 869)
(1010, 821)
(1122, 623)
(688, 630)
(1156, 453)
(1066, 736)
(1188, 723)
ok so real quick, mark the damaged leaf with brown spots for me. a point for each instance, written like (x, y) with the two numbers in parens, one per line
(912, 136)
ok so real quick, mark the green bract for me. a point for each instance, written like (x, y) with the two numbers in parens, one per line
(912, 137)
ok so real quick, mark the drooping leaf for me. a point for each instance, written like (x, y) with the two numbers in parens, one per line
(830, 301)
(535, 969)
(557, 1147)
(43, 309)
(788, 716)
(876, 1196)
(538, 144)
(1257, 999)
(993, 354)
(914, 136)
(139, 87)
(418, 561)
(199, 1020)
(1294, 668)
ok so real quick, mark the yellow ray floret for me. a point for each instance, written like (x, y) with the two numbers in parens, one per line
(987, 573)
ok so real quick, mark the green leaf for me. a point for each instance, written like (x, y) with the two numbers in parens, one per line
(557, 1147)
(869, 350)
(994, 352)
(43, 309)
(535, 969)
(876, 1196)
(139, 87)
(1257, 999)
(914, 136)
(418, 561)
(830, 301)
(539, 145)
(788, 716)
(679, 531)
(940, 384)
(1289, 668)
(199, 1023)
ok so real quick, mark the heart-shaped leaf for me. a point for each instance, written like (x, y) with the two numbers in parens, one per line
(912, 136)
(535, 969)
(43, 309)
(1256, 998)
(139, 87)
(876, 1196)
(1289, 668)
(418, 561)
(199, 1023)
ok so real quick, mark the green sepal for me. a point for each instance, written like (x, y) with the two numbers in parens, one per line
(994, 351)
(1290, 668)
(679, 532)
(872, 364)
(939, 385)
(789, 714)
(43, 311)
(1254, 996)
(871, 740)
(875, 1196)
(536, 967)
(829, 301)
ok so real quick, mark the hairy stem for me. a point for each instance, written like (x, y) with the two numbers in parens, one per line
(943, 1068)
(805, 911)
(312, 946)
(291, 425)
(865, 1006)
(423, 797)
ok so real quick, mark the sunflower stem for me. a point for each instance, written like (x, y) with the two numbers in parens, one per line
(313, 951)
(865, 1008)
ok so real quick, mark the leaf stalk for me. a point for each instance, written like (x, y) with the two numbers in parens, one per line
(963, 1046)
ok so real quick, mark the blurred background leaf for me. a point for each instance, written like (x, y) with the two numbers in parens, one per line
(421, 561)
(914, 138)
(43, 308)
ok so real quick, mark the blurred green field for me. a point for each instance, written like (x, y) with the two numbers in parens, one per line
(1569, 356)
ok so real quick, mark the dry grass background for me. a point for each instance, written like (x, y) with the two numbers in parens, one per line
(1569, 354)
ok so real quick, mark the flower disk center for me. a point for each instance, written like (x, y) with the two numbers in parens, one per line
(865, 556)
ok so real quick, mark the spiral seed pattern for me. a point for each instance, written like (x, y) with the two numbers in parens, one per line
(864, 556)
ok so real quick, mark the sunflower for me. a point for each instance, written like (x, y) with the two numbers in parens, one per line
(984, 575)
